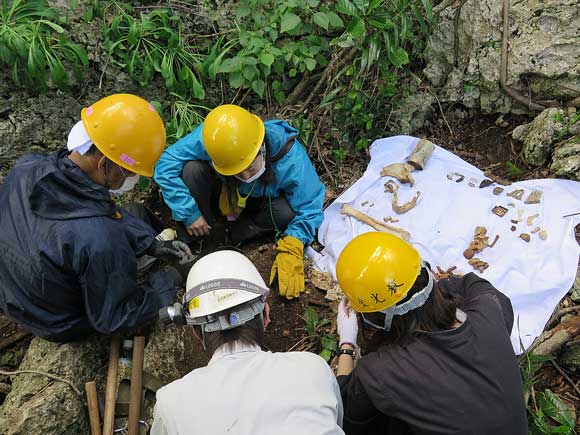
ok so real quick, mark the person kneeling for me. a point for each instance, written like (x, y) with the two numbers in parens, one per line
(446, 364)
(243, 389)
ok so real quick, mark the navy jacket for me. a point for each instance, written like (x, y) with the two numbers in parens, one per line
(68, 264)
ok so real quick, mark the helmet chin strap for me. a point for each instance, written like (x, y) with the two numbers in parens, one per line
(106, 166)
(417, 300)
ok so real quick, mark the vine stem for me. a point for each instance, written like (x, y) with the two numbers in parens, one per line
(48, 375)
(504, 64)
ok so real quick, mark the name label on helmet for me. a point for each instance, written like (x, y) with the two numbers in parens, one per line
(130, 161)
(225, 284)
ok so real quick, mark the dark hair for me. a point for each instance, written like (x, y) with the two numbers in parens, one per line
(268, 177)
(250, 334)
(436, 314)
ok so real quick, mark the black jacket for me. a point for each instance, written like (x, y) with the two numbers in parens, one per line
(67, 259)
(462, 381)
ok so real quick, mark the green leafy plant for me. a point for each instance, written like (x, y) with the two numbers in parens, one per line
(282, 39)
(558, 117)
(184, 117)
(551, 415)
(33, 45)
(547, 413)
(153, 43)
(387, 37)
(321, 341)
(512, 169)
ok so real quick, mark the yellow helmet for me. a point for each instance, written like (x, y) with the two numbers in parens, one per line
(232, 137)
(127, 130)
(376, 270)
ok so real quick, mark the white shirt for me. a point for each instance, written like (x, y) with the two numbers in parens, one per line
(251, 392)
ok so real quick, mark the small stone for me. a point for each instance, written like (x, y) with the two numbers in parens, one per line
(499, 210)
(486, 182)
(500, 122)
(513, 228)
(525, 237)
(497, 190)
(468, 253)
(543, 234)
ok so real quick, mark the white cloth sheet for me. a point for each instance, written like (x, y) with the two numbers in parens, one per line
(534, 275)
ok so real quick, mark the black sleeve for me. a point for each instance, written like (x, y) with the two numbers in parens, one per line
(114, 301)
(476, 291)
(359, 412)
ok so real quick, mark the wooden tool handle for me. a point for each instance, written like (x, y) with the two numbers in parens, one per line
(111, 387)
(93, 404)
(136, 386)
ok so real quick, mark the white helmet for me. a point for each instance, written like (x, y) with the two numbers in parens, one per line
(220, 281)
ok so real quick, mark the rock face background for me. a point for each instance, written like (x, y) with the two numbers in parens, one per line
(40, 405)
(543, 61)
(543, 64)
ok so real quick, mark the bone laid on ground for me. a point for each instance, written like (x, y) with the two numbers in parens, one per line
(418, 159)
(347, 210)
(401, 171)
(392, 187)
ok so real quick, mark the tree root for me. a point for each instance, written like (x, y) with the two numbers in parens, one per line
(552, 341)
(14, 338)
(341, 59)
(48, 375)
(299, 89)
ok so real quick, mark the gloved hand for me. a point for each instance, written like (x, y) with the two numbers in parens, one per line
(171, 248)
(346, 323)
(289, 267)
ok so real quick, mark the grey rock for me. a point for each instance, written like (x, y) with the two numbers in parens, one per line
(540, 135)
(566, 159)
(40, 405)
(543, 59)
(414, 112)
(575, 292)
(173, 352)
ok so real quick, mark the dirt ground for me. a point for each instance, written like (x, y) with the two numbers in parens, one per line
(483, 141)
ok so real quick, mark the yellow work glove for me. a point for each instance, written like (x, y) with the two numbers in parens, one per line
(289, 267)
(226, 207)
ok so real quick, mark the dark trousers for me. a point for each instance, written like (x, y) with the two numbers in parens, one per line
(261, 216)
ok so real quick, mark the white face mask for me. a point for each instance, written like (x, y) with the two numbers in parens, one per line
(127, 186)
(255, 176)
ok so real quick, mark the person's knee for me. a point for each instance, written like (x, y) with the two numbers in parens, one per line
(282, 212)
(196, 172)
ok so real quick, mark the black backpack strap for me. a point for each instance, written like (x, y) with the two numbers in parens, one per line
(285, 149)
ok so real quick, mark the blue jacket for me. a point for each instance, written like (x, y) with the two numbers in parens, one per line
(296, 178)
(68, 266)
